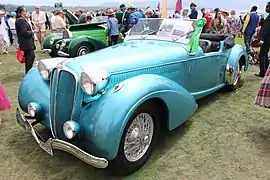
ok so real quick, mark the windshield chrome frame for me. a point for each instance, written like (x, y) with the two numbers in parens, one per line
(170, 38)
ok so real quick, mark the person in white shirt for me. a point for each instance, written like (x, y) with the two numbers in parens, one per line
(11, 23)
(39, 19)
(60, 24)
(53, 21)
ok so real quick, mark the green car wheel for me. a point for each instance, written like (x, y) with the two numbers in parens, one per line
(53, 53)
(83, 49)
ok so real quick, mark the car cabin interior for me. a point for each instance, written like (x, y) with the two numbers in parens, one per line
(211, 42)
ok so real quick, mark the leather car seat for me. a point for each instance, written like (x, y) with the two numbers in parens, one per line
(205, 45)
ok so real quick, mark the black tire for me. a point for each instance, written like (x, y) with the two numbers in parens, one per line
(235, 86)
(121, 165)
(53, 53)
(83, 49)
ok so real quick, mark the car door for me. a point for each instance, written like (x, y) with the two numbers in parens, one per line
(205, 73)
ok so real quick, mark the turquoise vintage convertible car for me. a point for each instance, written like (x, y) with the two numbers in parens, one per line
(107, 108)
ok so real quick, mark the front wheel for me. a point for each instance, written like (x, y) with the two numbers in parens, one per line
(138, 140)
(83, 49)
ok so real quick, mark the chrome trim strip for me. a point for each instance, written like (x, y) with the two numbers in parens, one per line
(61, 53)
(52, 143)
(47, 50)
(76, 90)
(51, 79)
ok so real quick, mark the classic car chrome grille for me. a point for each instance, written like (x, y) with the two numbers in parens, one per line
(62, 100)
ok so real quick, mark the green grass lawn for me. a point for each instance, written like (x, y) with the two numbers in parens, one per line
(227, 138)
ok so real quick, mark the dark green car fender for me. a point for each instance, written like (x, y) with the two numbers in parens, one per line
(92, 43)
(47, 44)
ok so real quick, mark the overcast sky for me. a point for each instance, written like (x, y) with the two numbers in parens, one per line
(226, 4)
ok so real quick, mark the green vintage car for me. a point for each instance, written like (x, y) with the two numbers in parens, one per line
(50, 40)
(79, 39)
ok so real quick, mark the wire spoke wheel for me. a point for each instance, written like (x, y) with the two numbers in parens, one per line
(138, 137)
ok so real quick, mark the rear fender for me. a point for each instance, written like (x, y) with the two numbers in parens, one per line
(104, 121)
(238, 54)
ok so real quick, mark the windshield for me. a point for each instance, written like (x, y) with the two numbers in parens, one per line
(99, 18)
(173, 29)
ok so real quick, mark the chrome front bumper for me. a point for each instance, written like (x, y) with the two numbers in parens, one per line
(47, 50)
(51, 144)
(63, 54)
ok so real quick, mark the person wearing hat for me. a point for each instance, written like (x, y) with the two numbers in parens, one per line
(194, 12)
(151, 14)
(225, 17)
(25, 37)
(112, 28)
(133, 16)
(59, 21)
(39, 21)
(11, 24)
(120, 14)
(265, 45)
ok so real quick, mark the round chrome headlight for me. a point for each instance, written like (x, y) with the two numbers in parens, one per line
(51, 41)
(87, 84)
(43, 70)
(63, 43)
(94, 82)
(57, 46)
(71, 128)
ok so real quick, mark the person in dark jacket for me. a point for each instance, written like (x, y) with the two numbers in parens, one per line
(82, 18)
(25, 37)
(265, 44)
(194, 12)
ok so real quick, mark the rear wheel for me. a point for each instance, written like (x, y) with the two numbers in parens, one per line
(137, 140)
(236, 78)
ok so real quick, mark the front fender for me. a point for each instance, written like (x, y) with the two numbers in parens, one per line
(34, 88)
(104, 120)
(238, 53)
(56, 37)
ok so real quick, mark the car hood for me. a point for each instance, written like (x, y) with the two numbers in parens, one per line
(130, 55)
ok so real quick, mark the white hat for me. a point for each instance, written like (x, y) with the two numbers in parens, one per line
(2, 12)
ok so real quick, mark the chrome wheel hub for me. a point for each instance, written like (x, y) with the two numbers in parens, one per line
(83, 51)
(138, 137)
(236, 75)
